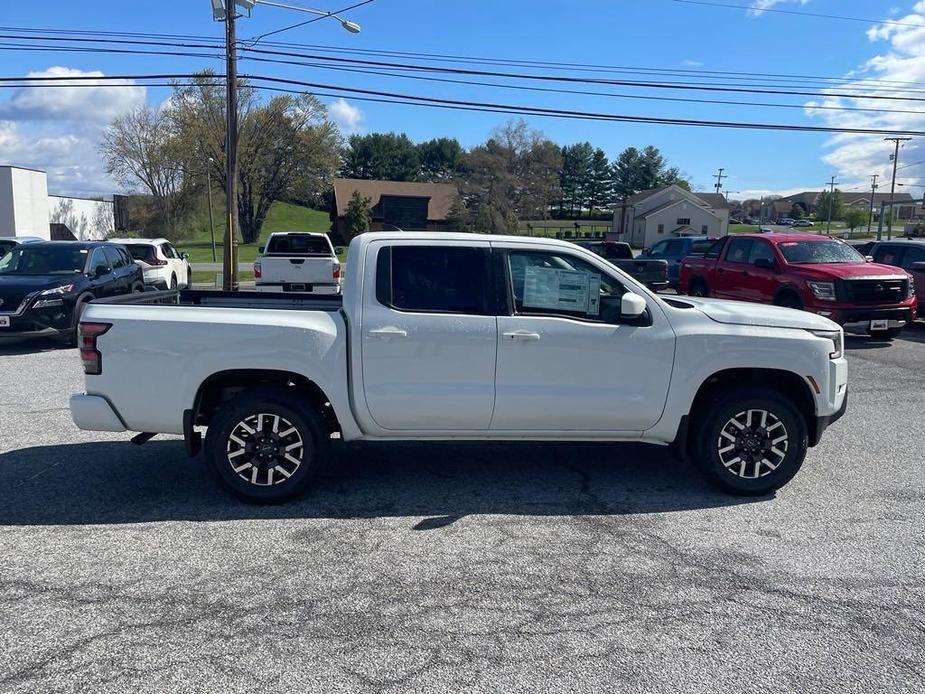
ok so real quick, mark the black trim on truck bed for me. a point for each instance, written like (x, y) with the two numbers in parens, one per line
(197, 297)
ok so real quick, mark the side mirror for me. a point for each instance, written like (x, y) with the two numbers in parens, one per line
(102, 271)
(764, 263)
(869, 258)
(632, 306)
(338, 250)
(918, 266)
(184, 256)
(260, 249)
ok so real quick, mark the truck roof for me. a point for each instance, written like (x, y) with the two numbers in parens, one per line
(785, 236)
(369, 237)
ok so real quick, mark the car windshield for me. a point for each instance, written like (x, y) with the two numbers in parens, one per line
(823, 251)
(44, 260)
(298, 244)
(140, 251)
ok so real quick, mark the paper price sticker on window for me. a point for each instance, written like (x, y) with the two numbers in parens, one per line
(562, 290)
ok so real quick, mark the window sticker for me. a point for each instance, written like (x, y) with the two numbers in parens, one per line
(562, 290)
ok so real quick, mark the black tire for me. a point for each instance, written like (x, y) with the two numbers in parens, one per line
(752, 461)
(885, 335)
(138, 288)
(266, 456)
(173, 282)
(70, 338)
(698, 288)
(789, 300)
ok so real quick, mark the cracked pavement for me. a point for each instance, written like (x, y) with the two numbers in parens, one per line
(462, 567)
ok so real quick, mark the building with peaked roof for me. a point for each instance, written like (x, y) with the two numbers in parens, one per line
(402, 204)
(669, 211)
(904, 203)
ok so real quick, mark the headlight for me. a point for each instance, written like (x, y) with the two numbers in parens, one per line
(63, 289)
(910, 288)
(838, 341)
(823, 290)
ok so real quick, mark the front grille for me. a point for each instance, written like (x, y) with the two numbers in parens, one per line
(10, 301)
(875, 291)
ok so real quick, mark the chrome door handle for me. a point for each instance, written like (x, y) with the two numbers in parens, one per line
(524, 335)
(388, 332)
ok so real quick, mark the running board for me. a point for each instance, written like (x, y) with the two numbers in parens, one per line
(143, 437)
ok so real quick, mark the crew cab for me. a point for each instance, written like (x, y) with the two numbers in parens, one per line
(296, 261)
(814, 273)
(650, 272)
(673, 251)
(45, 286)
(443, 336)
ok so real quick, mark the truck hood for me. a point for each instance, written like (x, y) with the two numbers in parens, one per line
(744, 313)
(847, 271)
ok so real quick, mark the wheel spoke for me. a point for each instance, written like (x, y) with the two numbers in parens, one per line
(242, 468)
(284, 434)
(237, 440)
(282, 471)
(292, 460)
(270, 476)
(769, 463)
(292, 446)
(235, 454)
(254, 471)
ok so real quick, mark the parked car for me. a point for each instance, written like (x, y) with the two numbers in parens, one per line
(905, 254)
(652, 273)
(164, 267)
(803, 223)
(815, 273)
(44, 287)
(463, 337)
(297, 261)
(8, 243)
(765, 230)
(786, 221)
(734, 220)
(673, 251)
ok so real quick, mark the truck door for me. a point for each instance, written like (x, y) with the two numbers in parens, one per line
(566, 361)
(731, 276)
(761, 280)
(429, 336)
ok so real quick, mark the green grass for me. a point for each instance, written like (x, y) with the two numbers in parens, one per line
(282, 216)
(208, 277)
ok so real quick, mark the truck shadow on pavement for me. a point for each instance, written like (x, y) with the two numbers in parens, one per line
(16, 347)
(116, 482)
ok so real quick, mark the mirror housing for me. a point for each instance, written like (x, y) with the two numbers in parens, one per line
(338, 250)
(764, 263)
(632, 306)
(869, 258)
(260, 249)
(102, 271)
(184, 256)
(918, 266)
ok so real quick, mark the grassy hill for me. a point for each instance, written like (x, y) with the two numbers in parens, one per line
(282, 216)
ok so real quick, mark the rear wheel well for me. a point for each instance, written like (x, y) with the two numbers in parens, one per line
(785, 383)
(221, 387)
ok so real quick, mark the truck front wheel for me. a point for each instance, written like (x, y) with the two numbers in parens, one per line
(751, 441)
(265, 445)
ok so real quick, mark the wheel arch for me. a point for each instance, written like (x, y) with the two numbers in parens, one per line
(788, 289)
(787, 383)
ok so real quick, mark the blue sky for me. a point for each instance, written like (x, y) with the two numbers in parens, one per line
(57, 129)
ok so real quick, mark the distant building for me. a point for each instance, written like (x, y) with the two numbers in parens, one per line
(26, 209)
(903, 203)
(397, 204)
(668, 211)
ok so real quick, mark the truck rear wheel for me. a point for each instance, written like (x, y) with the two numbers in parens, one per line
(265, 445)
(751, 442)
(698, 288)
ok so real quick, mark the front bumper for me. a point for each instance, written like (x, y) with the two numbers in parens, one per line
(94, 413)
(823, 423)
(44, 322)
(856, 314)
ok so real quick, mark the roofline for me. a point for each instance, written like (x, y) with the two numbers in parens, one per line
(22, 168)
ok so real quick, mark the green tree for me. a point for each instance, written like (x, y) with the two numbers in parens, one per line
(823, 203)
(636, 170)
(599, 189)
(381, 156)
(855, 217)
(357, 218)
(575, 176)
(440, 158)
(797, 211)
(457, 216)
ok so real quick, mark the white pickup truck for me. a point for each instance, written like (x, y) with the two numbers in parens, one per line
(297, 261)
(463, 337)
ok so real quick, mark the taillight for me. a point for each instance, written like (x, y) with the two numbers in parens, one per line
(258, 273)
(89, 354)
(154, 260)
(335, 274)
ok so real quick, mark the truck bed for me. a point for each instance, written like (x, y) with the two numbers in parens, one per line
(239, 299)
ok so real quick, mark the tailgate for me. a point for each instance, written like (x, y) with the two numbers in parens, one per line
(646, 270)
(297, 269)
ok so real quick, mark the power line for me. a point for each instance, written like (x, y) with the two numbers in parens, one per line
(253, 41)
(758, 8)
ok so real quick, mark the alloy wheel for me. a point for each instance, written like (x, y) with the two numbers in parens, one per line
(752, 443)
(265, 449)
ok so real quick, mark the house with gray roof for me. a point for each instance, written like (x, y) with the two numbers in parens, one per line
(659, 213)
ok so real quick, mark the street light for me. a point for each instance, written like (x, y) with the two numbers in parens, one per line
(225, 11)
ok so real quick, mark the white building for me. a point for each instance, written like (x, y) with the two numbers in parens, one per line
(26, 209)
(659, 213)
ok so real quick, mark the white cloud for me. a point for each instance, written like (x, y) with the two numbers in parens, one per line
(347, 117)
(757, 193)
(900, 62)
(691, 63)
(759, 6)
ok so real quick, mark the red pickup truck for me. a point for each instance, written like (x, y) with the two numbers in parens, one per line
(804, 271)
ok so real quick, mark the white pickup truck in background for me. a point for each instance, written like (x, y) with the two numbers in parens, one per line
(297, 261)
(463, 337)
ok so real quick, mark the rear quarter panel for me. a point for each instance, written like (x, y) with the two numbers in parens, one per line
(156, 357)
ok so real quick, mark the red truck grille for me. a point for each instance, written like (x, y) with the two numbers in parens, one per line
(875, 291)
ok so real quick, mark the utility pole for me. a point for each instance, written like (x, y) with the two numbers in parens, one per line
(719, 176)
(896, 140)
(873, 192)
(230, 255)
(828, 224)
(211, 219)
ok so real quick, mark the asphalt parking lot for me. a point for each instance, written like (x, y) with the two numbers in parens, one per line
(519, 568)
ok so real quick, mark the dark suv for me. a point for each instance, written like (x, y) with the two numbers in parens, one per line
(44, 287)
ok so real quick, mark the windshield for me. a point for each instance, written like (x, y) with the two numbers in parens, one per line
(299, 244)
(819, 252)
(44, 260)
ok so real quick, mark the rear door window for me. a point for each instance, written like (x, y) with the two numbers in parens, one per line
(113, 257)
(433, 279)
(715, 250)
(913, 255)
